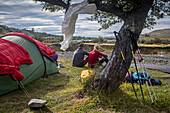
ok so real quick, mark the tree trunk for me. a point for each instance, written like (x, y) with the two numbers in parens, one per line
(114, 72)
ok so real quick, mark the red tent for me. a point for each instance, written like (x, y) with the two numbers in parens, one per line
(12, 55)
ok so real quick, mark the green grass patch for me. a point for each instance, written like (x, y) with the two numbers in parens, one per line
(140, 45)
(59, 91)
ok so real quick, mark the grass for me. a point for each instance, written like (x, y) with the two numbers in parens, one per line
(59, 91)
(154, 45)
(145, 48)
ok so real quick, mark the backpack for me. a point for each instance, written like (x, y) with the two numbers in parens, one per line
(155, 82)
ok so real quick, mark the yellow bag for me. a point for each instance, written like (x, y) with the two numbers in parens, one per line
(85, 75)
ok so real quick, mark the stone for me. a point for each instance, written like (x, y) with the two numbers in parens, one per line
(36, 103)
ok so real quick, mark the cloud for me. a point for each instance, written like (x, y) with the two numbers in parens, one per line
(18, 2)
(76, 1)
(28, 14)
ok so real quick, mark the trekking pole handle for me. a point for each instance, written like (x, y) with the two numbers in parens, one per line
(118, 38)
(117, 35)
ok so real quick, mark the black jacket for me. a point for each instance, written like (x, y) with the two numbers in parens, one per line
(78, 57)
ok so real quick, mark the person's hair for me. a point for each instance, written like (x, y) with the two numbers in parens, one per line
(81, 45)
(96, 48)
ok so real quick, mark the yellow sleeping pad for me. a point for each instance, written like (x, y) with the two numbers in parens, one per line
(85, 75)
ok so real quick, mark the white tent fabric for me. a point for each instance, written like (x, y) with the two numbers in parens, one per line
(68, 24)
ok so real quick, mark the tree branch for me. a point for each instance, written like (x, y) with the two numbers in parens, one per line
(114, 10)
(55, 2)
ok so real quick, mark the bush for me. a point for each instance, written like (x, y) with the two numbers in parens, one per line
(157, 41)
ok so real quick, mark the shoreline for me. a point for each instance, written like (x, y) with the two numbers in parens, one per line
(149, 59)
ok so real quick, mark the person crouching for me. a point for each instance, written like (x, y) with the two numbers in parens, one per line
(94, 57)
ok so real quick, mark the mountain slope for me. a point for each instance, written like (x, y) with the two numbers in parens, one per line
(162, 34)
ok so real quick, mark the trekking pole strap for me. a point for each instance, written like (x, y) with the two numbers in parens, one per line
(117, 35)
(118, 38)
(133, 38)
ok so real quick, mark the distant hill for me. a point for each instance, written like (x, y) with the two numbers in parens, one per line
(36, 35)
(162, 34)
(5, 29)
(165, 33)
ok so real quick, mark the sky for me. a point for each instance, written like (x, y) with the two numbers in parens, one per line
(26, 14)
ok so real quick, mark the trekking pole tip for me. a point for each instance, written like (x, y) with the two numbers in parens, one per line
(139, 103)
(153, 104)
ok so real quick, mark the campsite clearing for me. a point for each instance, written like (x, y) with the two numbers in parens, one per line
(59, 91)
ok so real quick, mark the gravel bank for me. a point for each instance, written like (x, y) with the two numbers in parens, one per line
(151, 59)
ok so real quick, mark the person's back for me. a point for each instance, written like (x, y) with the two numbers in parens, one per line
(94, 55)
(78, 57)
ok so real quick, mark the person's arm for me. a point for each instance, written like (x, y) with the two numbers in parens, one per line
(86, 53)
(101, 54)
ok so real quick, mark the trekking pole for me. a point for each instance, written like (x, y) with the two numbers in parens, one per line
(141, 60)
(118, 38)
(136, 68)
